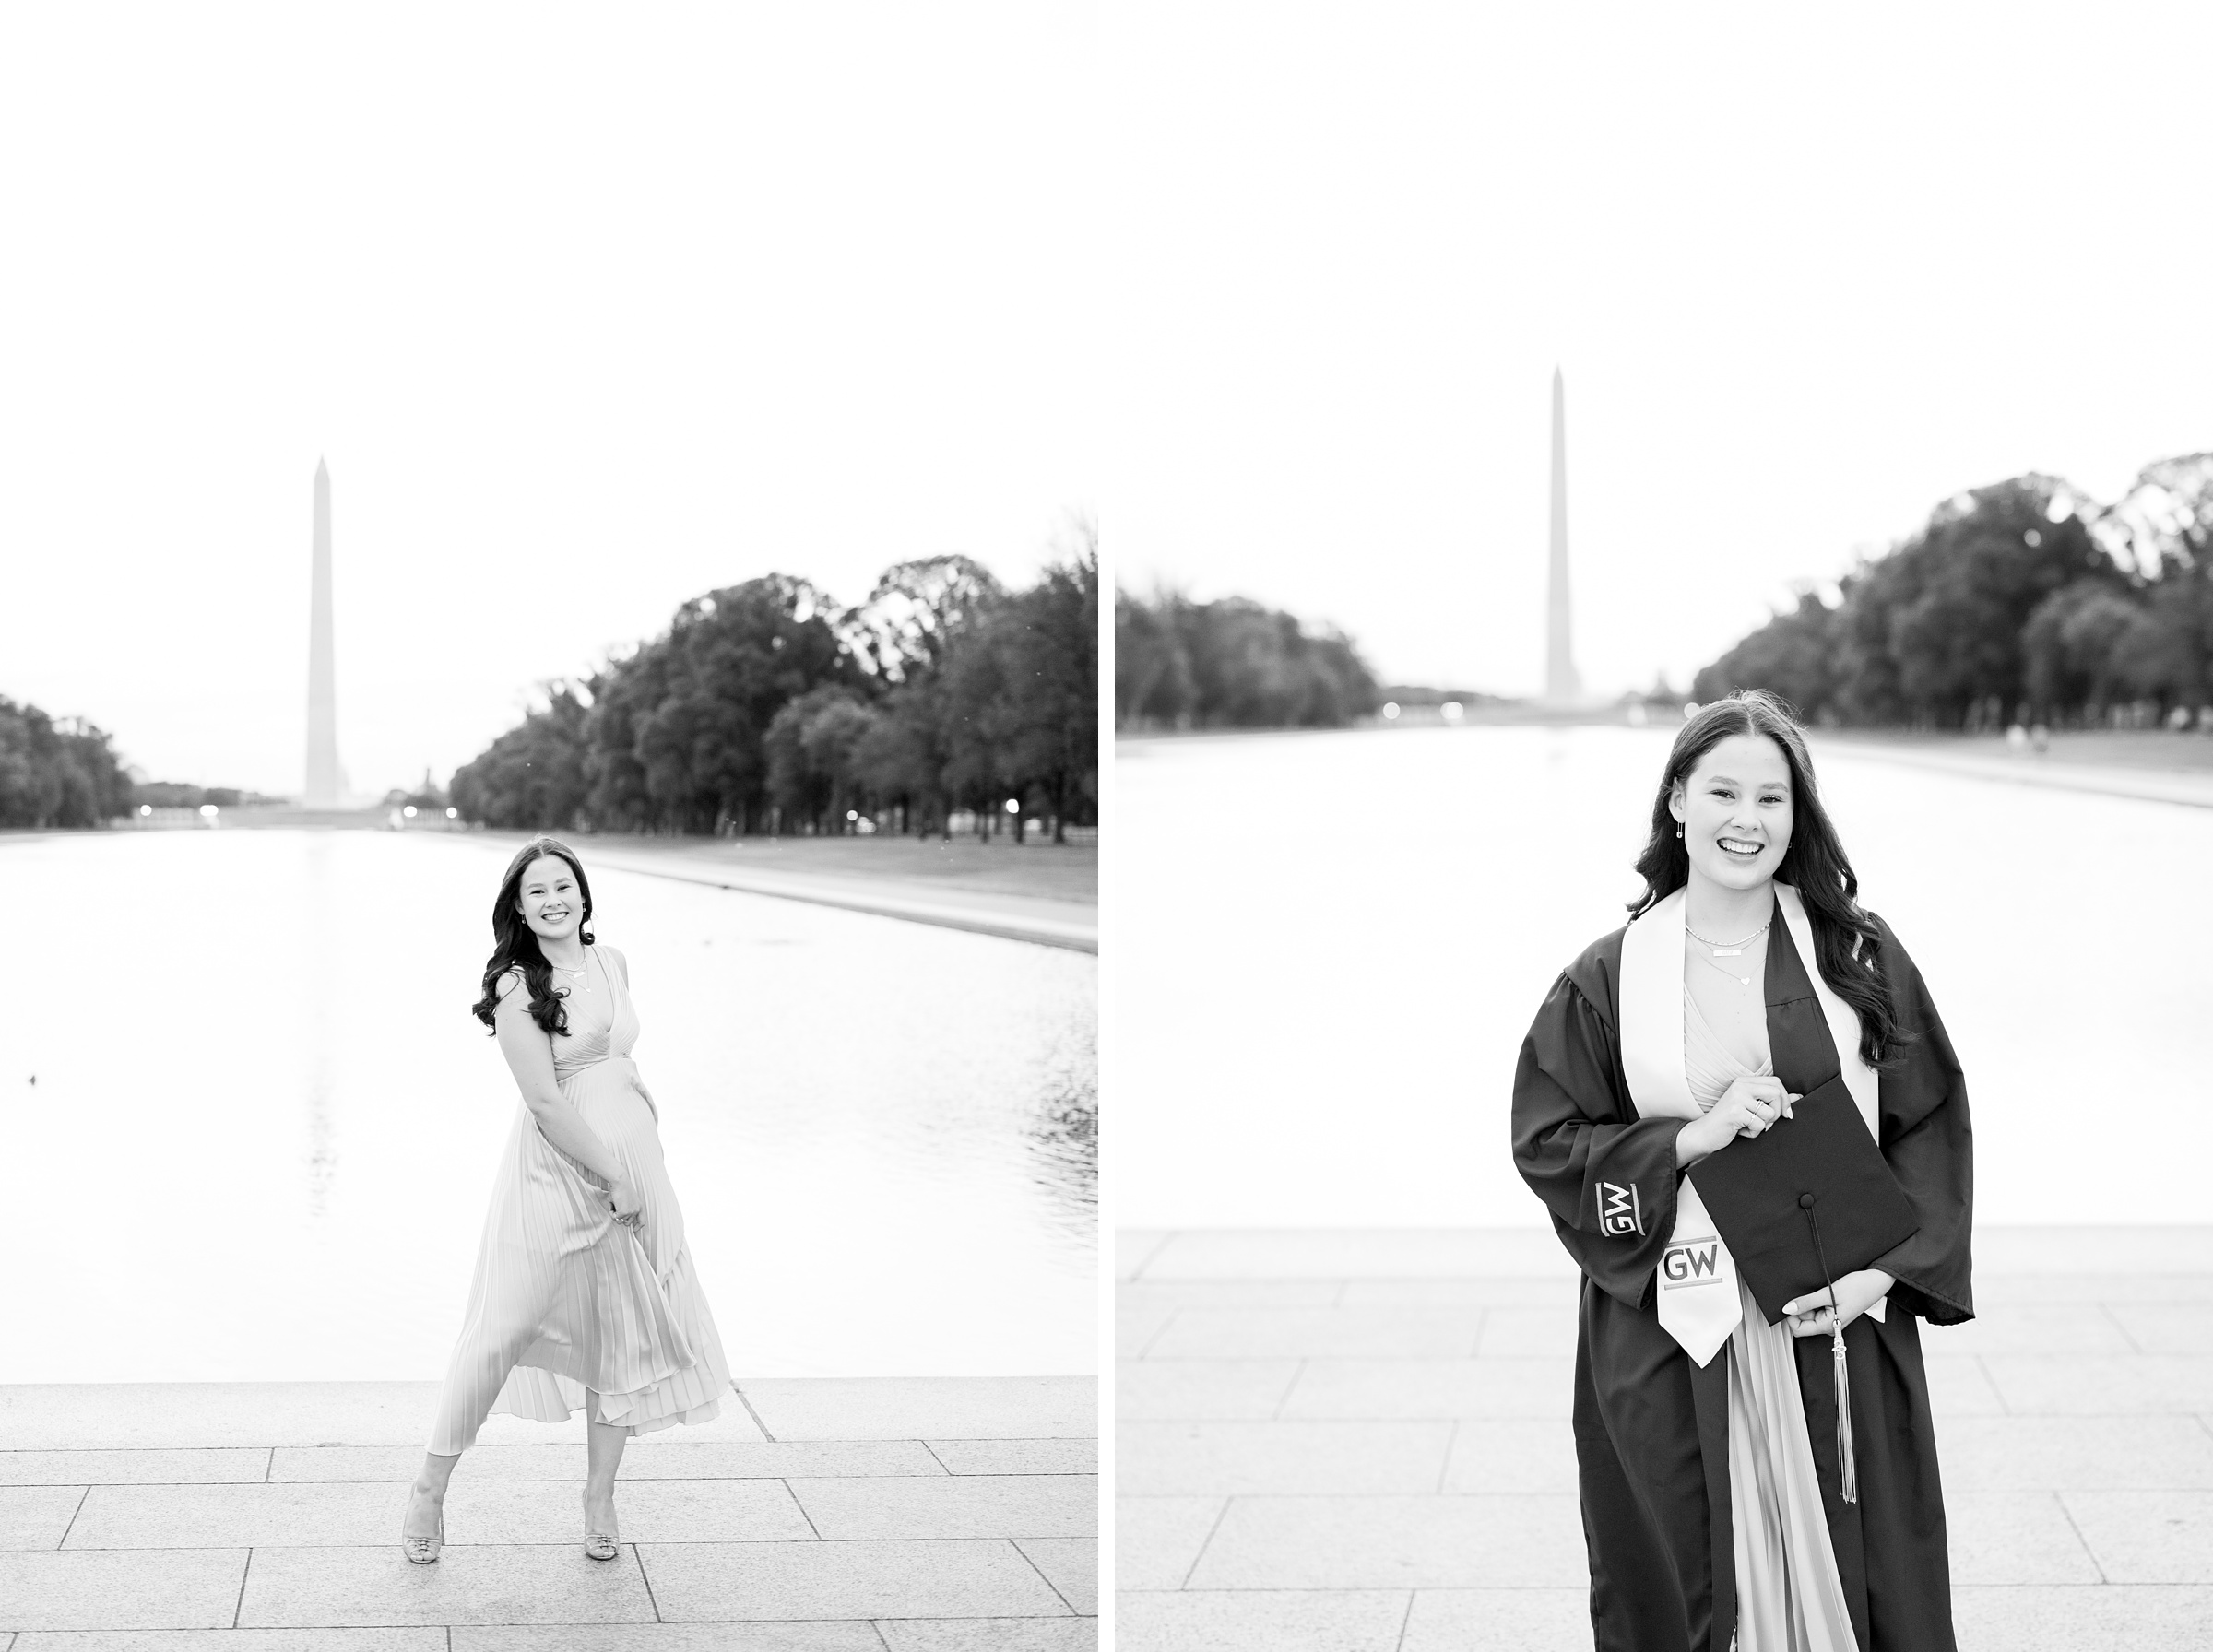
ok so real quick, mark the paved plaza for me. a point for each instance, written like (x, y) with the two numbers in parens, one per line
(928, 1514)
(1359, 1441)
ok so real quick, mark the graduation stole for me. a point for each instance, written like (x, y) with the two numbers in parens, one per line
(1698, 1302)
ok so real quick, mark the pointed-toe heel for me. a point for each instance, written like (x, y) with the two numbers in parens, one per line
(424, 1551)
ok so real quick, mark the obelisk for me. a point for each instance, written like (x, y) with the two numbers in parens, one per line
(326, 781)
(1562, 686)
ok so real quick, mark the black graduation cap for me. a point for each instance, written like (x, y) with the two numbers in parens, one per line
(1810, 1197)
(1807, 1201)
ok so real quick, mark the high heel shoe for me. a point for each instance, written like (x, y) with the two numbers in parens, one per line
(599, 1545)
(424, 1551)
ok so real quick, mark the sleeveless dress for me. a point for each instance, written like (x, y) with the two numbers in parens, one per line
(1789, 1597)
(565, 1298)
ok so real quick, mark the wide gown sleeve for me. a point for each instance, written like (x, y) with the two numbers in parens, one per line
(1929, 1143)
(1607, 1176)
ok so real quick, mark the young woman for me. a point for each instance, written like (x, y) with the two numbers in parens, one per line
(585, 1295)
(1713, 1461)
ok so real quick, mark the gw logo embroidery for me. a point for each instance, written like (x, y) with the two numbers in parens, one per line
(1620, 1211)
(1699, 1262)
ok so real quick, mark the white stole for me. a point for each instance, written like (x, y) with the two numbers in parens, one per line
(1698, 1299)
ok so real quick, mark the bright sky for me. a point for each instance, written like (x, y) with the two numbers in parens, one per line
(1807, 270)
(590, 311)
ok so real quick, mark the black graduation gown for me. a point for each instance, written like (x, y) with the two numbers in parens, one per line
(1652, 1429)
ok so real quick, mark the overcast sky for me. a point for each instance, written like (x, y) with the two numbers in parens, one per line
(590, 311)
(1808, 271)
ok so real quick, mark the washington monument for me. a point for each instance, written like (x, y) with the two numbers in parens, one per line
(1562, 686)
(326, 780)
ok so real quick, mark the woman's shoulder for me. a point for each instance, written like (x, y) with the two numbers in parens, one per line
(510, 982)
(1591, 974)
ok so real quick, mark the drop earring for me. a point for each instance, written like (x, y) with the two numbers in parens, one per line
(1678, 829)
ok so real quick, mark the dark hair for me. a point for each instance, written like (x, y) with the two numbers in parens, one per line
(1848, 943)
(515, 943)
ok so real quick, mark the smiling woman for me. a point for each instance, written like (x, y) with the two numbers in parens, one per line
(1725, 1502)
(585, 1293)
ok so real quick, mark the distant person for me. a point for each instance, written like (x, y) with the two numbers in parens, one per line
(1728, 1498)
(584, 1295)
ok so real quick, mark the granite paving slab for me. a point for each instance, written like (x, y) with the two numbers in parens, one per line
(36, 1516)
(493, 1582)
(2166, 1326)
(1070, 1565)
(1551, 1292)
(2032, 1328)
(1157, 1540)
(1174, 1389)
(124, 1467)
(2014, 1537)
(2047, 1619)
(1959, 1385)
(234, 1640)
(1411, 1389)
(991, 1635)
(1136, 1328)
(1015, 1408)
(1297, 1333)
(995, 1505)
(1498, 1621)
(1195, 1458)
(173, 1588)
(1261, 1621)
(2147, 1537)
(1395, 1543)
(1133, 1247)
(1511, 1454)
(667, 1638)
(237, 1517)
(1512, 1332)
(2095, 1385)
(955, 1578)
(646, 1459)
(1013, 1456)
(1230, 1293)
(2063, 1454)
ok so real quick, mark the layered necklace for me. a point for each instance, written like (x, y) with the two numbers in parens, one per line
(1717, 951)
(583, 982)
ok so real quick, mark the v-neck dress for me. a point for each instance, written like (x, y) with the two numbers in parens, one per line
(565, 1298)
(1789, 1596)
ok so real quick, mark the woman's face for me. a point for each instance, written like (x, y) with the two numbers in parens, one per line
(551, 903)
(1735, 808)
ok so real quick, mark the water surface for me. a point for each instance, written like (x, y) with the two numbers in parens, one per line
(1327, 950)
(263, 1126)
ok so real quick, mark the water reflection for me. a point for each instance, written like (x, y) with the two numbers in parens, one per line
(1319, 1026)
(276, 1158)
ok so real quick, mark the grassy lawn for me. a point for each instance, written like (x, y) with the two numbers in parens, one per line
(2102, 747)
(1038, 869)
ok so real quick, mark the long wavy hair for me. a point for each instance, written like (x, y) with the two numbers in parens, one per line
(1847, 942)
(515, 943)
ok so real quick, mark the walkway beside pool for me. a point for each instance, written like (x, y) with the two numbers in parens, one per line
(924, 1515)
(1359, 1442)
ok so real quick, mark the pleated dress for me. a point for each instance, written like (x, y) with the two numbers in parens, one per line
(566, 1299)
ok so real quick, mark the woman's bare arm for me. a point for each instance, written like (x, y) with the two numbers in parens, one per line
(530, 1059)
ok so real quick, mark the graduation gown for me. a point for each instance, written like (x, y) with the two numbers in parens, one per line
(1652, 1428)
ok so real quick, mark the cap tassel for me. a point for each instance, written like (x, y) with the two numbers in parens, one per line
(1848, 1480)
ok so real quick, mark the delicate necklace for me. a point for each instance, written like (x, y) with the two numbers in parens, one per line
(1730, 949)
(566, 971)
(1740, 980)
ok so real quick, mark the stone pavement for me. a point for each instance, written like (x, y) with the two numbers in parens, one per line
(1359, 1441)
(930, 1515)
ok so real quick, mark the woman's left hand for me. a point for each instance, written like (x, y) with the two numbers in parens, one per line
(1856, 1292)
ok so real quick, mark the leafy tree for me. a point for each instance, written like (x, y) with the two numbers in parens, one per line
(533, 777)
(55, 775)
(1794, 656)
(1233, 664)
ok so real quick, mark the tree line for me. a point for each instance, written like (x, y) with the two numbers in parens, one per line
(2022, 601)
(57, 772)
(1231, 664)
(766, 707)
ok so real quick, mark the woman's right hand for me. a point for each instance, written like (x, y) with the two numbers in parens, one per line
(628, 1203)
(1748, 1107)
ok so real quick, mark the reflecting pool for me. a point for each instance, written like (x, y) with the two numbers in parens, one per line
(252, 1126)
(1327, 948)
